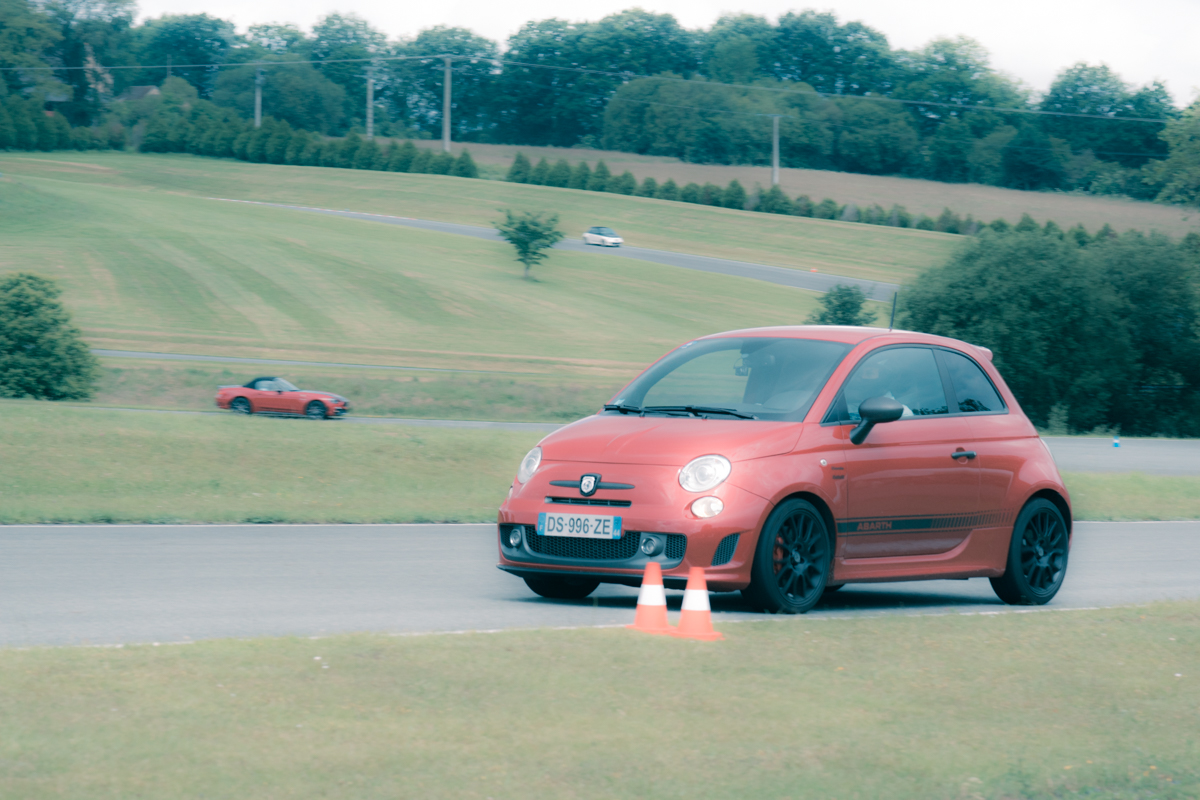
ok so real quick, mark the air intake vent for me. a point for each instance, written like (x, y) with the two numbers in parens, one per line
(574, 547)
(676, 546)
(725, 550)
(587, 501)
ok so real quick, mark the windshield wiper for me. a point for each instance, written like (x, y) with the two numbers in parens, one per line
(699, 410)
(624, 409)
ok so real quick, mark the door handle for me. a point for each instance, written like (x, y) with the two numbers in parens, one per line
(963, 454)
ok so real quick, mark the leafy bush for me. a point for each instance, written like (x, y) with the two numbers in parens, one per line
(842, 305)
(41, 354)
(1106, 331)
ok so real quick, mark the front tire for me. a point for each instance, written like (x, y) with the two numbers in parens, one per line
(315, 410)
(240, 405)
(1037, 556)
(562, 588)
(792, 560)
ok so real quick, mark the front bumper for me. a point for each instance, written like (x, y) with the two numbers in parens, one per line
(657, 507)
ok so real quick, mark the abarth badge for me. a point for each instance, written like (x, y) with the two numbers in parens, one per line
(588, 484)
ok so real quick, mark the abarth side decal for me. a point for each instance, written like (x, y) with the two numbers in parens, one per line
(875, 526)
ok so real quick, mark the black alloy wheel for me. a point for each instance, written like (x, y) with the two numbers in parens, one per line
(1037, 556)
(562, 588)
(240, 405)
(792, 560)
(315, 410)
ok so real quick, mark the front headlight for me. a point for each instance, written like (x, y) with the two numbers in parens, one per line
(704, 473)
(529, 465)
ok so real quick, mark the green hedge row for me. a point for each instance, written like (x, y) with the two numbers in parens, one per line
(771, 201)
(25, 125)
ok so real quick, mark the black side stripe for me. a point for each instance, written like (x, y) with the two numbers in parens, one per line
(876, 526)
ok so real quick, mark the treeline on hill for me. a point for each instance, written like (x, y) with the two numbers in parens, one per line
(834, 84)
(1100, 334)
(770, 201)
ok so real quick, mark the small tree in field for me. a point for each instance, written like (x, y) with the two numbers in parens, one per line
(842, 305)
(532, 234)
(41, 354)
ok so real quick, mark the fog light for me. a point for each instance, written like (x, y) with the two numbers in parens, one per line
(514, 536)
(707, 507)
(651, 545)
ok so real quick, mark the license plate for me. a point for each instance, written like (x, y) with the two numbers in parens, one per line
(583, 526)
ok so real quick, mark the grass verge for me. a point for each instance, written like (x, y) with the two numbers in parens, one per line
(1095, 704)
(1103, 495)
(130, 383)
(97, 465)
(70, 464)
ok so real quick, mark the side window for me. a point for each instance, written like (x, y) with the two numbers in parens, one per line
(265, 386)
(907, 374)
(975, 392)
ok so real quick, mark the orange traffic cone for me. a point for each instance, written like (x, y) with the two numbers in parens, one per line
(696, 620)
(652, 603)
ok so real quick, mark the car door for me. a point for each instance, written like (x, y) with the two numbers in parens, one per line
(906, 493)
(1000, 440)
(267, 397)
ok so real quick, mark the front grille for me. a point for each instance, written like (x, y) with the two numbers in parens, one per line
(587, 501)
(572, 547)
(725, 550)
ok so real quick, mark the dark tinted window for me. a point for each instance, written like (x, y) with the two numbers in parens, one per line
(907, 374)
(776, 379)
(975, 392)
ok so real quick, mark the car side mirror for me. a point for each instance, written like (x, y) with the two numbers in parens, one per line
(873, 411)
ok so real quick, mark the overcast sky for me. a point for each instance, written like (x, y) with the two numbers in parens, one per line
(1031, 40)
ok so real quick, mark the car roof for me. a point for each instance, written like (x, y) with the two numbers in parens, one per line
(852, 335)
(261, 378)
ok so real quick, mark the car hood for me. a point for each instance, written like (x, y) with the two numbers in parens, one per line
(327, 394)
(667, 441)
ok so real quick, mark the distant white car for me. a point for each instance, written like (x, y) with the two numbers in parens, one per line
(605, 237)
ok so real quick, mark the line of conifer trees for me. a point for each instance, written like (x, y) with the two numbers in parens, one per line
(772, 201)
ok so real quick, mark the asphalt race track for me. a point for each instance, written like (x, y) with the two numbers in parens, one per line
(72, 585)
(797, 279)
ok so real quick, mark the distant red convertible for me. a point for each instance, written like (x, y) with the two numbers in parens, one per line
(278, 396)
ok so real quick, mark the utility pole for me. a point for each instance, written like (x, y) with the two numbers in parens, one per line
(446, 104)
(259, 80)
(370, 102)
(774, 149)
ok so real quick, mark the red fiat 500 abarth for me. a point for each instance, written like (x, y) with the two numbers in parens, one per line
(790, 461)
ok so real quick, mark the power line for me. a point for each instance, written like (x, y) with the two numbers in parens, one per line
(625, 76)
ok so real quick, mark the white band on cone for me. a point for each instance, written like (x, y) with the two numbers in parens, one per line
(652, 594)
(695, 600)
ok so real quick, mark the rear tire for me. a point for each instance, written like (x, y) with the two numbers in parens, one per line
(315, 410)
(240, 405)
(1037, 556)
(792, 560)
(562, 588)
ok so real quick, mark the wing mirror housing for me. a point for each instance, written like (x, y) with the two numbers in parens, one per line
(873, 411)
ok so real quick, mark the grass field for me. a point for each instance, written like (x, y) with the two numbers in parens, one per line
(72, 464)
(839, 248)
(919, 196)
(158, 271)
(1085, 704)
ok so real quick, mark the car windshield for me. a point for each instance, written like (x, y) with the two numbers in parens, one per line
(760, 378)
(606, 231)
(283, 386)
